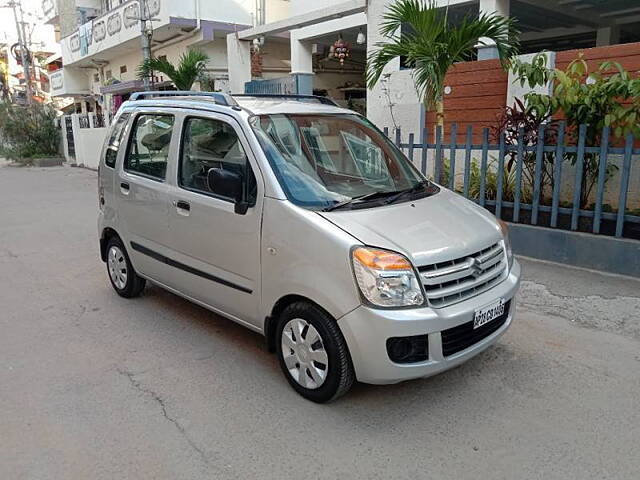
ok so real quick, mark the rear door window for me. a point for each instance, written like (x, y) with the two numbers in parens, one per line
(149, 143)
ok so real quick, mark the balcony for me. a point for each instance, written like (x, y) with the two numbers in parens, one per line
(117, 31)
(50, 12)
(69, 82)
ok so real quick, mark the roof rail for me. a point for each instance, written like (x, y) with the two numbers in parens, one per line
(219, 98)
(318, 98)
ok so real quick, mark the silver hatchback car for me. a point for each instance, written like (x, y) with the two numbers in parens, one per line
(302, 221)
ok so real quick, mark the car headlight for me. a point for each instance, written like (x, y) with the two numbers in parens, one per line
(385, 278)
(507, 242)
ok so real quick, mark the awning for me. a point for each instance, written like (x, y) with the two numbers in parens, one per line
(122, 87)
(129, 87)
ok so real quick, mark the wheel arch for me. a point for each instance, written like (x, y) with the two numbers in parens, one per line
(271, 321)
(107, 234)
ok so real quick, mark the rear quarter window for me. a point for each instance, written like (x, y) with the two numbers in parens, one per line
(115, 138)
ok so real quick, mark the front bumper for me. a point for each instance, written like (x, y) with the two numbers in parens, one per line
(366, 331)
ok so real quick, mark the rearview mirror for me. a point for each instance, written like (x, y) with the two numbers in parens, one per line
(227, 184)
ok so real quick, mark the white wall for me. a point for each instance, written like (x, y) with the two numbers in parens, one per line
(217, 51)
(275, 58)
(393, 102)
(231, 11)
(130, 60)
(114, 27)
(69, 80)
(277, 10)
(88, 142)
(240, 11)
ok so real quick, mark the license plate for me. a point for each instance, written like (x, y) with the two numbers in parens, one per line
(487, 313)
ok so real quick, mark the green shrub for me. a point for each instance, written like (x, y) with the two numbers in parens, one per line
(28, 131)
(608, 96)
(491, 182)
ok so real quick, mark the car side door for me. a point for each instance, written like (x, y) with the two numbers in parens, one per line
(142, 191)
(216, 245)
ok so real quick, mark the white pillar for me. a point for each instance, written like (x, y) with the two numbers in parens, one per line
(608, 36)
(301, 63)
(498, 7)
(301, 56)
(238, 62)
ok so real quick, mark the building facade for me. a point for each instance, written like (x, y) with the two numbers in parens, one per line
(476, 93)
(101, 42)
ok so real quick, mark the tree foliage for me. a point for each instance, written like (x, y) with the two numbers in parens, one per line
(431, 44)
(191, 66)
(608, 96)
(28, 131)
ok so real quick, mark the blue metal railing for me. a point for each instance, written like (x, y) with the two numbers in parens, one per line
(537, 182)
(275, 86)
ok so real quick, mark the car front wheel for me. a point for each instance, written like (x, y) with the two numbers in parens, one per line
(313, 353)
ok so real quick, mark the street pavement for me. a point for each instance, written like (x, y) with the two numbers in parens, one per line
(93, 386)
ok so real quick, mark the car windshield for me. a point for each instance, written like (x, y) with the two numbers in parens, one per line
(328, 161)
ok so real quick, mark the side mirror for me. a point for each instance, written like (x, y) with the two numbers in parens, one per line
(227, 184)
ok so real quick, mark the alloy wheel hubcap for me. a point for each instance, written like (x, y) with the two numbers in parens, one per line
(117, 267)
(304, 354)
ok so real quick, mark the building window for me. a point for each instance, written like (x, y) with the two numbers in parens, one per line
(123, 69)
(96, 78)
(108, 74)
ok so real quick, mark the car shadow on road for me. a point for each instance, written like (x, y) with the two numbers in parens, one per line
(211, 323)
(243, 346)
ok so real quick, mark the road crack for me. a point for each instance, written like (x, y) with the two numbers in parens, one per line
(163, 408)
(9, 254)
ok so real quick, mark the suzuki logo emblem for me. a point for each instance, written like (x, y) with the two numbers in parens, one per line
(474, 266)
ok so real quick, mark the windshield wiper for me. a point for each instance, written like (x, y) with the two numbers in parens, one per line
(358, 199)
(403, 193)
(390, 195)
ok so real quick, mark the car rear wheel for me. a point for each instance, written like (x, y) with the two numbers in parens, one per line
(313, 353)
(124, 279)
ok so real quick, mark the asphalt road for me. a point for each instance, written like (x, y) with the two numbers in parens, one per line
(93, 386)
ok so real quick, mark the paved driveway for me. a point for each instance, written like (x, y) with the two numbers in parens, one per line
(93, 386)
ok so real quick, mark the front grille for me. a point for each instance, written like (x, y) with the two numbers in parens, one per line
(449, 282)
(463, 336)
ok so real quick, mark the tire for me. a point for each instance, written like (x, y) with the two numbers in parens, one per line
(123, 277)
(308, 339)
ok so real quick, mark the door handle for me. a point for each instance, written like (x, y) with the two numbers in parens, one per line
(182, 205)
(124, 188)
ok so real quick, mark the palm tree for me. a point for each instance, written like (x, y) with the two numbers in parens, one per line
(190, 67)
(430, 45)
